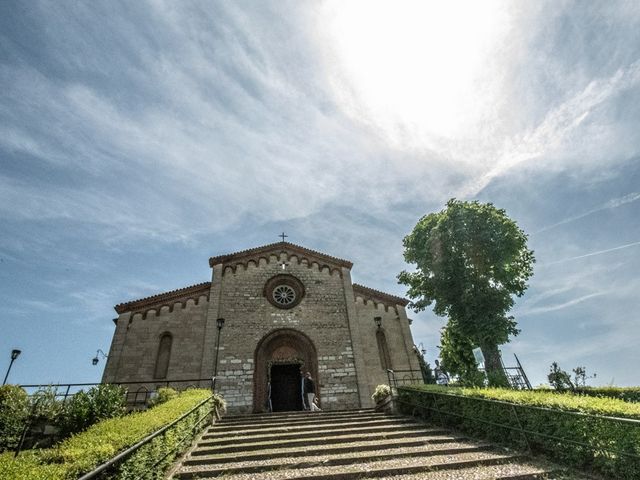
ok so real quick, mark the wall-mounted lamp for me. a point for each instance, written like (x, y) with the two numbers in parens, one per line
(95, 359)
(378, 321)
(15, 353)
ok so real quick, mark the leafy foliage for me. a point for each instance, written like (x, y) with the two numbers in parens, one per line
(164, 394)
(610, 446)
(14, 409)
(45, 405)
(471, 260)
(84, 451)
(580, 377)
(456, 352)
(559, 379)
(86, 408)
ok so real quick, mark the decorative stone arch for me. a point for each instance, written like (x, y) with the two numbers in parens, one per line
(283, 345)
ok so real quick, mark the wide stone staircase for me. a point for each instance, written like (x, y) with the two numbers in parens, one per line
(346, 445)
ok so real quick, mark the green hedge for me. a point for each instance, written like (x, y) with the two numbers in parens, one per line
(83, 452)
(627, 394)
(610, 446)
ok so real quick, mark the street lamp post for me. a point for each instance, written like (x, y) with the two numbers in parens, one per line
(220, 324)
(378, 321)
(15, 353)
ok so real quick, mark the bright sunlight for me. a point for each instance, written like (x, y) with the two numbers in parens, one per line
(418, 70)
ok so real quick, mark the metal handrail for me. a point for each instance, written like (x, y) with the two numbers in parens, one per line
(415, 377)
(519, 428)
(129, 451)
(138, 382)
(68, 386)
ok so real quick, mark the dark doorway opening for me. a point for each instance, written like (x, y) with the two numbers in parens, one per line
(286, 387)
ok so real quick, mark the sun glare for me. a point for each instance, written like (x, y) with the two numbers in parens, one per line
(414, 68)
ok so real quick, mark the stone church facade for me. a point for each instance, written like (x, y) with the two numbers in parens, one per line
(286, 308)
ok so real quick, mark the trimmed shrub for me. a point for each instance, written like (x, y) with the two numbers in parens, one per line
(163, 394)
(600, 434)
(85, 451)
(14, 410)
(627, 394)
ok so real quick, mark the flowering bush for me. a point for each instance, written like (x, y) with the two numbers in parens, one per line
(381, 392)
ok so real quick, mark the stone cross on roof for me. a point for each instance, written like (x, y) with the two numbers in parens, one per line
(283, 236)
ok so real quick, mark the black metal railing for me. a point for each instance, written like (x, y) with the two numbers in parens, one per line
(529, 436)
(137, 394)
(399, 378)
(111, 464)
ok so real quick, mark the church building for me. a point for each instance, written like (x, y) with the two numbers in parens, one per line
(267, 314)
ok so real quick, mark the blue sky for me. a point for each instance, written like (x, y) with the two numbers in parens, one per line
(139, 138)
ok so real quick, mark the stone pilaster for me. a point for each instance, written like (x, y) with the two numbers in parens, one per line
(356, 340)
(211, 329)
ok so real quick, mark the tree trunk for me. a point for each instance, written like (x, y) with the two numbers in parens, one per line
(493, 366)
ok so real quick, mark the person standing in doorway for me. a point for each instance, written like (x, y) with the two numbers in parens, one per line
(310, 390)
(303, 390)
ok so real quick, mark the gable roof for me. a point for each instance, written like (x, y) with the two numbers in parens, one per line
(168, 298)
(279, 247)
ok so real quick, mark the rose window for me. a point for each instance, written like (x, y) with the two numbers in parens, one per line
(284, 295)
(284, 291)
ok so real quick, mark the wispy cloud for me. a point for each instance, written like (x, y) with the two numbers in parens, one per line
(558, 125)
(554, 307)
(592, 254)
(131, 129)
(613, 203)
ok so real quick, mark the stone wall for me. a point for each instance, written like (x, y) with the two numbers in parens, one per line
(134, 349)
(237, 296)
(395, 326)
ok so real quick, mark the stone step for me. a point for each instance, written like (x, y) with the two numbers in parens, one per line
(294, 417)
(372, 468)
(346, 445)
(240, 437)
(505, 471)
(212, 447)
(282, 415)
(309, 421)
(322, 458)
(199, 457)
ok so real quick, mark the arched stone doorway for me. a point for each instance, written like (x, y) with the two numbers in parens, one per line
(282, 353)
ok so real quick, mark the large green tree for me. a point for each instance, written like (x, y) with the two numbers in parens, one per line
(471, 260)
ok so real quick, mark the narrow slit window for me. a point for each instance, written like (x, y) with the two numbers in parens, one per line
(383, 350)
(164, 354)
